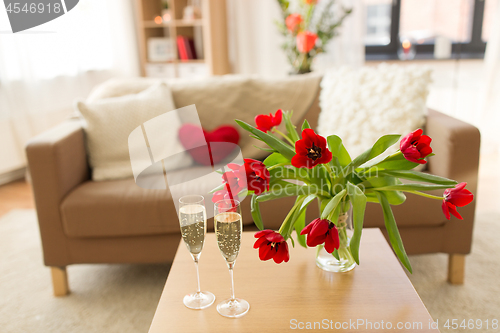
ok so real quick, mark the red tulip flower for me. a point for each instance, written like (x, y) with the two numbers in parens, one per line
(293, 22)
(257, 175)
(266, 122)
(311, 2)
(306, 41)
(311, 150)
(456, 197)
(271, 245)
(321, 231)
(416, 146)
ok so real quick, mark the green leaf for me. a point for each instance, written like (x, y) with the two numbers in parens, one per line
(418, 176)
(275, 158)
(255, 210)
(394, 197)
(269, 150)
(335, 254)
(395, 162)
(293, 214)
(378, 148)
(332, 204)
(305, 124)
(270, 140)
(358, 200)
(300, 223)
(338, 150)
(413, 187)
(290, 127)
(392, 230)
(287, 189)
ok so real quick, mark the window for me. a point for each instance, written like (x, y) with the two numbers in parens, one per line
(464, 22)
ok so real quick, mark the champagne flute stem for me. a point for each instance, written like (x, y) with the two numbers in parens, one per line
(197, 273)
(231, 266)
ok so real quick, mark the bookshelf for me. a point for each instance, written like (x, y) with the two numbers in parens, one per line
(208, 32)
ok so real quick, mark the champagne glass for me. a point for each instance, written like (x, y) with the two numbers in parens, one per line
(228, 227)
(193, 221)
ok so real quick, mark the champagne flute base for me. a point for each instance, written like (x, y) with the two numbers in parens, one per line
(198, 301)
(233, 308)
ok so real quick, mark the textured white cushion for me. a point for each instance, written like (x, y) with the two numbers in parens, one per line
(362, 105)
(108, 123)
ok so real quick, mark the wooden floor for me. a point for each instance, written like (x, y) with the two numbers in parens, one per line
(16, 195)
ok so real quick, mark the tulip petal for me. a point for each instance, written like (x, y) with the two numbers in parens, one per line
(453, 211)
(261, 233)
(445, 209)
(258, 243)
(266, 252)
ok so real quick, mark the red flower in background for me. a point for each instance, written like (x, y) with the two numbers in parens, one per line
(456, 197)
(306, 41)
(266, 122)
(271, 245)
(311, 2)
(321, 231)
(416, 146)
(293, 22)
(311, 150)
(257, 176)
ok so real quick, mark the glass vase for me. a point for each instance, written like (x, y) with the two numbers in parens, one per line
(340, 260)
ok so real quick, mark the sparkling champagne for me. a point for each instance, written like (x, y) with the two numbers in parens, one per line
(228, 231)
(193, 227)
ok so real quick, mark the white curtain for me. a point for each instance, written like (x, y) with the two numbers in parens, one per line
(254, 41)
(490, 120)
(44, 69)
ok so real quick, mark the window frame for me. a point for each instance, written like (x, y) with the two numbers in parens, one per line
(475, 48)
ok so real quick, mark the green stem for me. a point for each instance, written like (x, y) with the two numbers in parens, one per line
(422, 194)
(285, 136)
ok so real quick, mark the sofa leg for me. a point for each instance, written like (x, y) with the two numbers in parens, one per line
(59, 281)
(456, 268)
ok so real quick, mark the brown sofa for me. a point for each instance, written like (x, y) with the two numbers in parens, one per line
(82, 221)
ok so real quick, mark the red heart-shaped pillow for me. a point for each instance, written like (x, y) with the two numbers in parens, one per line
(191, 137)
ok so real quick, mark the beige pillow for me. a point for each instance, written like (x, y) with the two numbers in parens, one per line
(109, 122)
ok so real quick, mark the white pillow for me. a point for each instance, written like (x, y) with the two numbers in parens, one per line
(362, 105)
(109, 122)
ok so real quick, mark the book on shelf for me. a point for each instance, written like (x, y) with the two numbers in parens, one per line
(186, 49)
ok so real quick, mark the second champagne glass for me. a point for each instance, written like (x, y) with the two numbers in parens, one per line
(228, 226)
(193, 221)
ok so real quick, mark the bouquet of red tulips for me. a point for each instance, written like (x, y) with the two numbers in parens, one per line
(307, 34)
(311, 168)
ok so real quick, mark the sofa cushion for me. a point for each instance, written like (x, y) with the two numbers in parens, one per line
(361, 105)
(221, 99)
(108, 123)
(121, 208)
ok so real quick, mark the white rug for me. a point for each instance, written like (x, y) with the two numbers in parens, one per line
(123, 298)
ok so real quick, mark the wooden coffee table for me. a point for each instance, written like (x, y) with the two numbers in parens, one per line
(296, 294)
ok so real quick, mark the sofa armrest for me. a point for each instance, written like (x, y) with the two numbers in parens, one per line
(456, 145)
(57, 162)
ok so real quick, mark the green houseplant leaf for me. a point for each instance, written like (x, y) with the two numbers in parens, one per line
(255, 210)
(358, 200)
(274, 159)
(378, 148)
(392, 230)
(290, 127)
(418, 176)
(332, 204)
(338, 150)
(270, 140)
